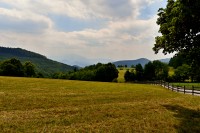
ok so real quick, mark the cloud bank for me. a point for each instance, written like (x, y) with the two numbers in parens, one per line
(81, 32)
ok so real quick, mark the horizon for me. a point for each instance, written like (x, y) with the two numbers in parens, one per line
(82, 32)
(114, 61)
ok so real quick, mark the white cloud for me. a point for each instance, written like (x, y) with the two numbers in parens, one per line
(19, 21)
(124, 35)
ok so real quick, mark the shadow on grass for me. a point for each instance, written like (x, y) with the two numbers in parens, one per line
(189, 119)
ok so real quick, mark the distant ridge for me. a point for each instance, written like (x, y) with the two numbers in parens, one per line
(18, 52)
(165, 60)
(141, 61)
(129, 63)
(44, 65)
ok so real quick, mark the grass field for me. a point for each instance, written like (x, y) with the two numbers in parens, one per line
(46, 105)
(121, 73)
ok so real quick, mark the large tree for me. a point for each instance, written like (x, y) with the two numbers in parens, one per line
(180, 31)
(139, 72)
(12, 67)
(29, 69)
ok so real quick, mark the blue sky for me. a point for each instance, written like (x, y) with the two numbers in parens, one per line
(82, 32)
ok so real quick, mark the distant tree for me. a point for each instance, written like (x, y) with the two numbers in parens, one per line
(132, 66)
(12, 67)
(182, 73)
(29, 69)
(106, 73)
(149, 71)
(129, 76)
(161, 70)
(98, 72)
(39, 75)
(139, 72)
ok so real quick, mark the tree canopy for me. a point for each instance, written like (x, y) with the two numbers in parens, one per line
(180, 32)
(13, 67)
(179, 28)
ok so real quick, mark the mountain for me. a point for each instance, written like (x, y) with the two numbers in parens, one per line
(142, 61)
(43, 64)
(165, 60)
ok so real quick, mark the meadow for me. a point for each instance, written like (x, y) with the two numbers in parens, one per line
(47, 105)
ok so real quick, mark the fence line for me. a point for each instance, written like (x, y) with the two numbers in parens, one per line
(180, 89)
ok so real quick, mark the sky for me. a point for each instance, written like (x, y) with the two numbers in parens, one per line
(82, 32)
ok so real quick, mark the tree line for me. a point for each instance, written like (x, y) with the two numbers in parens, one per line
(99, 72)
(14, 67)
(183, 69)
(152, 71)
(155, 70)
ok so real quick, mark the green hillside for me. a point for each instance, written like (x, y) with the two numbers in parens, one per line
(43, 64)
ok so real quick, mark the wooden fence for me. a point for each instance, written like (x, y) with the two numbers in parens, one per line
(194, 90)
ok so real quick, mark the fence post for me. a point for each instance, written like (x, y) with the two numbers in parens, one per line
(192, 90)
(172, 87)
(184, 89)
(177, 89)
(168, 85)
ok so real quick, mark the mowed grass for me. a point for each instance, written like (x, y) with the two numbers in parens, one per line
(46, 105)
(121, 73)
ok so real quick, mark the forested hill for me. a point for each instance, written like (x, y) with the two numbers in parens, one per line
(44, 65)
(6, 52)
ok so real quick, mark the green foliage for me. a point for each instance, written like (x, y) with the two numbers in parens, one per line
(149, 71)
(161, 70)
(29, 69)
(106, 72)
(9, 52)
(180, 32)
(182, 73)
(177, 60)
(156, 70)
(129, 76)
(42, 64)
(98, 72)
(12, 67)
(139, 72)
(179, 26)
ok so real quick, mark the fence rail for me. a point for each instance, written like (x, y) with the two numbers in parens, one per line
(182, 89)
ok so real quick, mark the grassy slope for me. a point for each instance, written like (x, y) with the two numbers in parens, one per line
(45, 105)
(121, 73)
